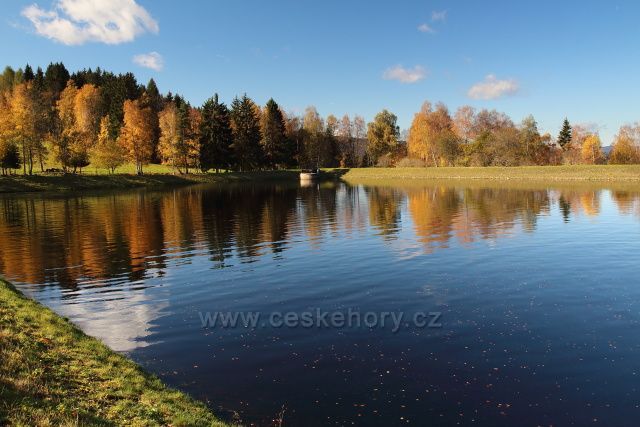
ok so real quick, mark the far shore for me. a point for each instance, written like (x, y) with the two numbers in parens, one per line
(542, 174)
(573, 173)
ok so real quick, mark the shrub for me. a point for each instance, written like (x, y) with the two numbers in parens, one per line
(408, 162)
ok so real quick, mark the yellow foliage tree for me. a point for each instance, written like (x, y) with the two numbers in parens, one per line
(29, 117)
(136, 135)
(9, 155)
(431, 136)
(179, 145)
(169, 134)
(107, 153)
(86, 110)
(624, 151)
(62, 143)
(591, 151)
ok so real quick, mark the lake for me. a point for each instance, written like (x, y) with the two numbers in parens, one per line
(529, 296)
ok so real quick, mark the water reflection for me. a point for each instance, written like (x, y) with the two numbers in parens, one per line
(85, 239)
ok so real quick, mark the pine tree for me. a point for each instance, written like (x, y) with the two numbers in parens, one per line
(9, 158)
(564, 138)
(39, 82)
(154, 101)
(216, 136)
(273, 135)
(245, 123)
(56, 77)
(28, 73)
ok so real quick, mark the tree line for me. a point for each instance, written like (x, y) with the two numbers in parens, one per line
(98, 118)
(490, 138)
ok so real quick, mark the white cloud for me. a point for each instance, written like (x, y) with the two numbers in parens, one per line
(405, 75)
(425, 28)
(75, 22)
(151, 60)
(439, 15)
(492, 88)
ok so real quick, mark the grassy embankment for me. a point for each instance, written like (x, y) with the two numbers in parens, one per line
(70, 182)
(52, 374)
(576, 173)
(158, 176)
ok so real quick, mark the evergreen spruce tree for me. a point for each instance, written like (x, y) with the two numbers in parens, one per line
(153, 100)
(56, 77)
(215, 136)
(564, 138)
(246, 133)
(273, 135)
(39, 80)
(28, 73)
(10, 159)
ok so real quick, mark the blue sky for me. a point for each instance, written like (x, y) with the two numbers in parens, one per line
(546, 58)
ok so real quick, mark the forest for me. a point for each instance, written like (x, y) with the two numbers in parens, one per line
(55, 121)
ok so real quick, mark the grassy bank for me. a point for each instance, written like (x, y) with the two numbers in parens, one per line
(601, 173)
(53, 374)
(70, 182)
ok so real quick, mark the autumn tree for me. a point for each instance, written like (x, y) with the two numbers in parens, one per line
(591, 150)
(245, 124)
(136, 135)
(531, 144)
(106, 153)
(625, 148)
(8, 79)
(346, 142)
(464, 123)
(361, 143)
(170, 134)
(66, 131)
(189, 122)
(313, 126)
(274, 137)
(29, 115)
(87, 122)
(79, 113)
(383, 134)
(179, 142)
(431, 136)
(9, 151)
(216, 137)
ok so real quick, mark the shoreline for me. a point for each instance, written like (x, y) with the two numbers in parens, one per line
(68, 183)
(54, 374)
(541, 174)
(573, 173)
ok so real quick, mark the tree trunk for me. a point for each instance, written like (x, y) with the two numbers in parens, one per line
(24, 158)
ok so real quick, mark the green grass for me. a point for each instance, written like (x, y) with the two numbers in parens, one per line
(88, 181)
(157, 176)
(574, 173)
(52, 374)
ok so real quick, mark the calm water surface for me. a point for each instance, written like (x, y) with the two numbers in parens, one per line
(539, 292)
